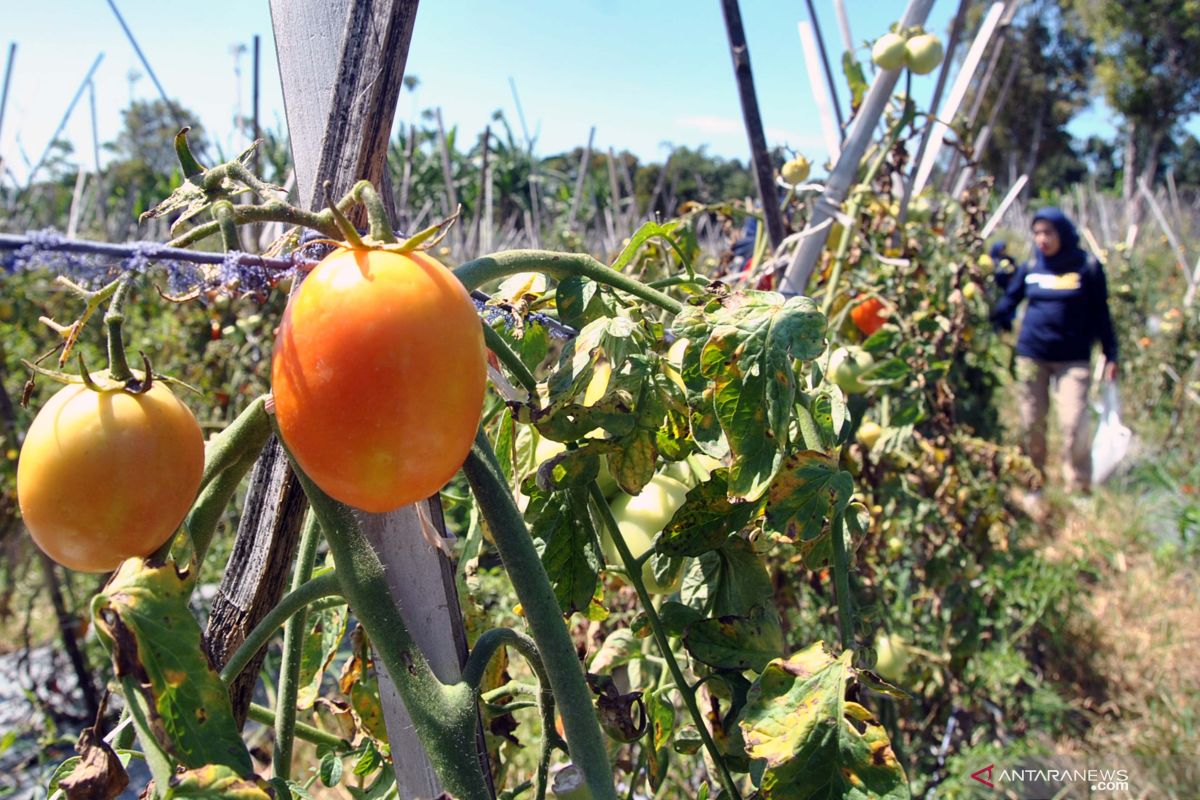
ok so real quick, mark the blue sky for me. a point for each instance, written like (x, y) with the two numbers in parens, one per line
(644, 72)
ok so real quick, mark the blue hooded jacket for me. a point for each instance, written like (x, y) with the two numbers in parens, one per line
(1068, 301)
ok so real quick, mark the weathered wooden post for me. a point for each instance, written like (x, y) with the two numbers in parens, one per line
(342, 67)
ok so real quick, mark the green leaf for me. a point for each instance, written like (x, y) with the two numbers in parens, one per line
(661, 714)
(854, 79)
(752, 339)
(581, 301)
(647, 231)
(571, 554)
(331, 770)
(326, 628)
(706, 519)
(731, 580)
(891, 372)
(181, 706)
(632, 465)
(810, 488)
(815, 743)
(735, 642)
(676, 617)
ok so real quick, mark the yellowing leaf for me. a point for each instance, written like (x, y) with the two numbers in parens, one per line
(816, 744)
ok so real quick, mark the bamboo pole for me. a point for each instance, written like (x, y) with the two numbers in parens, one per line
(804, 260)
(831, 130)
(957, 93)
(585, 163)
(939, 87)
(764, 173)
(820, 39)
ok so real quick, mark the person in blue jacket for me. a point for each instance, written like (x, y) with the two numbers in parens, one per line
(1066, 314)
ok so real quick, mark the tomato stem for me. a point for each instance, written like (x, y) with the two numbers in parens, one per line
(308, 733)
(534, 592)
(841, 578)
(835, 275)
(378, 222)
(600, 503)
(293, 646)
(509, 358)
(114, 319)
(222, 212)
(473, 673)
(485, 269)
(444, 716)
(347, 229)
(288, 605)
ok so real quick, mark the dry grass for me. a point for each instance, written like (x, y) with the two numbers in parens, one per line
(1144, 626)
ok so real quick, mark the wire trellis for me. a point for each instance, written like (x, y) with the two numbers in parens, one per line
(93, 264)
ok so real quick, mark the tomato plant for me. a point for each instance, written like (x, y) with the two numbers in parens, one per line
(378, 376)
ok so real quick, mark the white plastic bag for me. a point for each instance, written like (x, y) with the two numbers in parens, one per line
(1112, 438)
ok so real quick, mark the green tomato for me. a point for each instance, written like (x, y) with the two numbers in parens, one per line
(892, 657)
(888, 52)
(895, 547)
(846, 365)
(640, 517)
(923, 53)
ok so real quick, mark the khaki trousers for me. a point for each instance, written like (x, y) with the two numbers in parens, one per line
(1072, 379)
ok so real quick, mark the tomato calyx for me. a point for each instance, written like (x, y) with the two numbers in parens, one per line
(380, 236)
(139, 382)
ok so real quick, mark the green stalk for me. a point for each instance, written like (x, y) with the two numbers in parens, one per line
(485, 269)
(848, 234)
(841, 579)
(660, 635)
(289, 604)
(444, 717)
(473, 672)
(532, 585)
(508, 357)
(293, 648)
(308, 733)
(227, 458)
(114, 318)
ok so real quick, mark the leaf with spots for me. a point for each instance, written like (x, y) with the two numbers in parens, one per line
(706, 519)
(746, 347)
(180, 705)
(809, 490)
(359, 682)
(816, 744)
(570, 551)
(325, 630)
(661, 714)
(216, 782)
(736, 642)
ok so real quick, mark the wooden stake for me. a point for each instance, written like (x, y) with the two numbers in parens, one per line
(764, 173)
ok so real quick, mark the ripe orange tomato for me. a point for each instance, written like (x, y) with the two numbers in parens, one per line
(105, 476)
(866, 315)
(378, 374)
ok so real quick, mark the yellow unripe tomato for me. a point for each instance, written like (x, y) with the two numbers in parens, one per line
(106, 476)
